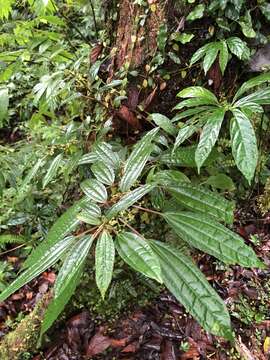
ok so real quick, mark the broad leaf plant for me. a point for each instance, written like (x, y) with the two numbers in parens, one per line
(99, 222)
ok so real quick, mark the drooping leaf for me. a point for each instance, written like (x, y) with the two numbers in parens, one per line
(137, 160)
(209, 136)
(137, 253)
(4, 101)
(191, 112)
(73, 261)
(56, 306)
(191, 289)
(244, 144)
(52, 171)
(94, 190)
(66, 223)
(210, 56)
(199, 54)
(205, 234)
(104, 260)
(129, 199)
(103, 172)
(256, 81)
(47, 259)
(261, 96)
(223, 56)
(184, 133)
(165, 123)
(197, 198)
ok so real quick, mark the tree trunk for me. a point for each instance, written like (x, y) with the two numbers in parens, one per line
(137, 32)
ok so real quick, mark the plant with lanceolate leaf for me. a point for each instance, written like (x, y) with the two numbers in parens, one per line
(204, 111)
(105, 215)
(221, 50)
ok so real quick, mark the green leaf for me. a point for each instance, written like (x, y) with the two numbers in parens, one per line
(190, 287)
(170, 177)
(196, 13)
(256, 81)
(5, 9)
(103, 172)
(105, 153)
(265, 9)
(210, 56)
(94, 69)
(91, 214)
(191, 112)
(205, 234)
(137, 160)
(163, 122)
(184, 38)
(223, 56)
(12, 239)
(221, 181)
(198, 92)
(197, 198)
(261, 96)
(94, 190)
(52, 171)
(47, 259)
(57, 305)
(238, 47)
(66, 223)
(246, 26)
(199, 54)
(74, 260)
(209, 136)
(244, 144)
(4, 102)
(129, 199)
(88, 158)
(104, 259)
(184, 133)
(137, 253)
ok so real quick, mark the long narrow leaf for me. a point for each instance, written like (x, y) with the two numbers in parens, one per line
(244, 144)
(209, 136)
(129, 199)
(137, 253)
(104, 260)
(47, 259)
(74, 260)
(197, 198)
(66, 223)
(137, 160)
(191, 288)
(52, 171)
(205, 234)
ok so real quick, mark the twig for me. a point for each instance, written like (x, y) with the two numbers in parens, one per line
(13, 249)
(147, 210)
(94, 17)
(130, 227)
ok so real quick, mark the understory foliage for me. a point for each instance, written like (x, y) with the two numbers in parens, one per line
(70, 190)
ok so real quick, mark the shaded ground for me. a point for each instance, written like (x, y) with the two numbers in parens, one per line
(163, 330)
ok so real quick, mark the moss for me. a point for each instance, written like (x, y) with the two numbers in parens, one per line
(264, 199)
(24, 338)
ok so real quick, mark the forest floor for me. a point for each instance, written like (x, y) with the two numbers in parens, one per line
(162, 329)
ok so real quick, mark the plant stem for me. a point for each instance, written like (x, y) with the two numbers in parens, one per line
(130, 227)
(147, 210)
(94, 17)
